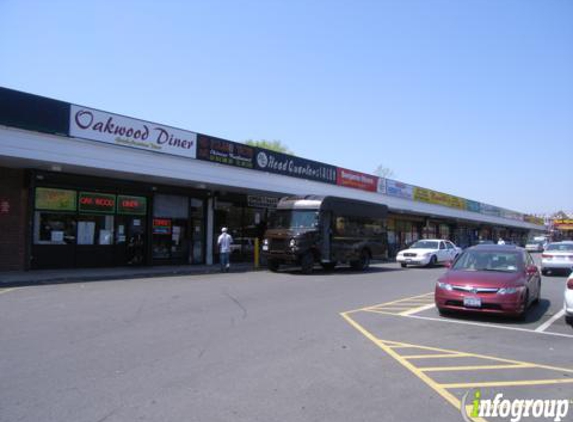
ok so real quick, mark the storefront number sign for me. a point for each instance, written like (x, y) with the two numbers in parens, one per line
(55, 199)
(131, 205)
(162, 226)
(96, 203)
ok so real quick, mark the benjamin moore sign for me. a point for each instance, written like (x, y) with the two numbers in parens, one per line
(119, 130)
(288, 165)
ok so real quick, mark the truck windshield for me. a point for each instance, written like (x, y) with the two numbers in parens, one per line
(299, 219)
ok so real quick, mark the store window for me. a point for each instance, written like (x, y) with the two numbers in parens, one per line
(96, 219)
(55, 217)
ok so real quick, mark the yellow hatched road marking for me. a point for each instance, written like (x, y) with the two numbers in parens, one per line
(391, 347)
(438, 356)
(449, 397)
(475, 367)
(507, 383)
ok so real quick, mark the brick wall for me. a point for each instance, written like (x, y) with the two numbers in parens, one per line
(13, 215)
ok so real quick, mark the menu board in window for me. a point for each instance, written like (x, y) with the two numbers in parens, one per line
(131, 205)
(55, 199)
(100, 203)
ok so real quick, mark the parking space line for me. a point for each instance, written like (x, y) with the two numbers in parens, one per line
(548, 323)
(2, 291)
(467, 385)
(480, 324)
(475, 367)
(419, 309)
(438, 356)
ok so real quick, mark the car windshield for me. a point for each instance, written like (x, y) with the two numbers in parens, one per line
(476, 260)
(560, 247)
(425, 244)
(295, 219)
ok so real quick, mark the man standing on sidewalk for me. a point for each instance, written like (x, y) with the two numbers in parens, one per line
(224, 243)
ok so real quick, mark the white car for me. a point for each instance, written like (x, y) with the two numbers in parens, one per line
(568, 302)
(557, 256)
(535, 245)
(428, 252)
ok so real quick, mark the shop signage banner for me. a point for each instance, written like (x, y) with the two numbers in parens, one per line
(96, 203)
(225, 152)
(563, 221)
(399, 189)
(55, 199)
(288, 165)
(262, 201)
(114, 129)
(439, 198)
(473, 206)
(131, 205)
(356, 180)
(490, 210)
(534, 220)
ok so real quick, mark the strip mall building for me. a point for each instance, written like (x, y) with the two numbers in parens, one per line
(81, 187)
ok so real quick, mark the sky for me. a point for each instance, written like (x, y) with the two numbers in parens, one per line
(473, 98)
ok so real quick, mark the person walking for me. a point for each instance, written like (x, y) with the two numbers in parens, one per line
(224, 243)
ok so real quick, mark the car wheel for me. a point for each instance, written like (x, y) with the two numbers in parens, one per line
(274, 265)
(433, 261)
(523, 313)
(538, 297)
(307, 263)
(569, 319)
(403, 265)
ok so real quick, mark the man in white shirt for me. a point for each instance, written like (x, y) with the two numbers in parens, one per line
(224, 243)
(500, 241)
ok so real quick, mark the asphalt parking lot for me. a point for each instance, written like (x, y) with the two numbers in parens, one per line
(267, 347)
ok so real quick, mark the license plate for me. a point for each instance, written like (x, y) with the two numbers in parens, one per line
(408, 260)
(472, 302)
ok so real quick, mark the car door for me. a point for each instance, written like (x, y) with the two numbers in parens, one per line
(533, 280)
(443, 254)
(452, 250)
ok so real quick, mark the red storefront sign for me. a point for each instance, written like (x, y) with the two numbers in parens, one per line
(356, 180)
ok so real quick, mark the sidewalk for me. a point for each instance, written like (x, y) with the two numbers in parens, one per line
(37, 277)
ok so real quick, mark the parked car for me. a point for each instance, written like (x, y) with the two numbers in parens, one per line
(243, 245)
(494, 279)
(535, 245)
(568, 302)
(558, 256)
(428, 252)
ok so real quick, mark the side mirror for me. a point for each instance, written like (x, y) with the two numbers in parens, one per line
(531, 270)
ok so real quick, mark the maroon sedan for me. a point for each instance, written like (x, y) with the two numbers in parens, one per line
(492, 279)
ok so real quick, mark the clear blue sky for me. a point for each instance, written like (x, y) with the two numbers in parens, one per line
(472, 97)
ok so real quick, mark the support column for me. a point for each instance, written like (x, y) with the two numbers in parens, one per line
(209, 232)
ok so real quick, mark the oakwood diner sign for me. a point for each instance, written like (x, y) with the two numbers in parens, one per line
(114, 129)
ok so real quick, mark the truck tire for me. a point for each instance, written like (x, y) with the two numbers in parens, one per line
(328, 266)
(307, 263)
(274, 265)
(363, 262)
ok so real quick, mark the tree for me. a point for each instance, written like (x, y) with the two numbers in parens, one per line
(277, 146)
(385, 172)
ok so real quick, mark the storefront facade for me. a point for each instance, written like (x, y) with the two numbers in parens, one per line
(86, 188)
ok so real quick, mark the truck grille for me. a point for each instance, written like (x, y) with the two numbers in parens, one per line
(278, 244)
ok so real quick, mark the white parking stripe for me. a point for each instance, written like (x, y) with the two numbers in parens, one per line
(554, 318)
(501, 327)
